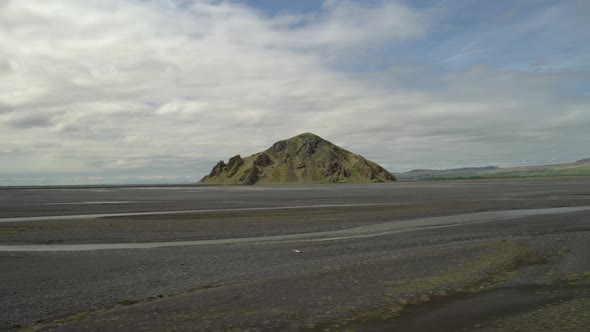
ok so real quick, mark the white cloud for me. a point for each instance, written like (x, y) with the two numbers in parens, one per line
(349, 24)
(107, 86)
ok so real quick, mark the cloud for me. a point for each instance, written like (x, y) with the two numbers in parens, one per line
(164, 88)
(350, 24)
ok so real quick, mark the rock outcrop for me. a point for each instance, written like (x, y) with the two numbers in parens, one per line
(306, 158)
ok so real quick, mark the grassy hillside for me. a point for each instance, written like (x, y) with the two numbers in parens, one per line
(579, 168)
(555, 170)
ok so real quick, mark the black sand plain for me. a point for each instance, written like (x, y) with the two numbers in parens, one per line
(486, 255)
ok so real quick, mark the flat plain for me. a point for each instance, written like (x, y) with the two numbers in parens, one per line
(485, 255)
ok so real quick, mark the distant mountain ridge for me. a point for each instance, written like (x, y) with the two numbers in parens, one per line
(463, 169)
(305, 158)
(578, 168)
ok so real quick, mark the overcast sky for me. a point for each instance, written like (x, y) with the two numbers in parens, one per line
(125, 91)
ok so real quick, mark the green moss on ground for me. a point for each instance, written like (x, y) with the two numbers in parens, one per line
(500, 261)
(565, 316)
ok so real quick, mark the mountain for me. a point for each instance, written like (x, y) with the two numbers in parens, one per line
(453, 171)
(306, 158)
(578, 168)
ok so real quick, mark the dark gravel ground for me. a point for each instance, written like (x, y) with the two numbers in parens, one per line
(492, 276)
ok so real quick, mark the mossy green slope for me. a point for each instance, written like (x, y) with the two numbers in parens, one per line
(306, 158)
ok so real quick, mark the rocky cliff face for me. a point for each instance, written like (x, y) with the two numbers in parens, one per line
(306, 158)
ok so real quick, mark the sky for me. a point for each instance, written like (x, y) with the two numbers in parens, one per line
(158, 91)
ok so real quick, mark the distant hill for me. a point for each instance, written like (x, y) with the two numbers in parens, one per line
(580, 167)
(426, 172)
(306, 158)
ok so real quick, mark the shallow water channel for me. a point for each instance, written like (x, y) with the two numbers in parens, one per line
(355, 232)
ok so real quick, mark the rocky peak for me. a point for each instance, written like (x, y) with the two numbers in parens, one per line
(308, 137)
(304, 144)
